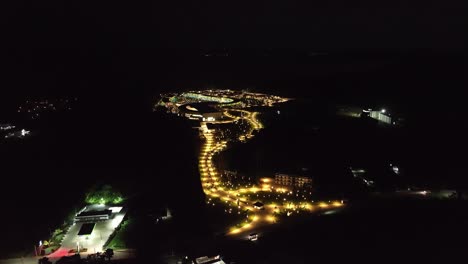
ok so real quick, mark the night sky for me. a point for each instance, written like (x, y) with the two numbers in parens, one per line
(314, 25)
(46, 44)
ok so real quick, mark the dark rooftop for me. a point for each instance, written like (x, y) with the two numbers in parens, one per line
(86, 229)
(92, 213)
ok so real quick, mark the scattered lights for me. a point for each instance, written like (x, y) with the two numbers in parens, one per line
(214, 185)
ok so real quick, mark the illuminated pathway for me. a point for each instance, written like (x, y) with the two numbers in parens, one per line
(239, 198)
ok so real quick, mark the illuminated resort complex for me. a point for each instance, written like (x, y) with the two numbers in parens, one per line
(262, 202)
(211, 105)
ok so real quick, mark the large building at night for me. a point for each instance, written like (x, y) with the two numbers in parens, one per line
(290, 180)
(201, 111)
(380, 116)
(93, 216)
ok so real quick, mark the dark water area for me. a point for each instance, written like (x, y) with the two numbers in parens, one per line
(113, 135)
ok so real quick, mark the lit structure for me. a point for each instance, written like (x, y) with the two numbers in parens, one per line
(209, 260)
(93, 216)
(361, 174)
(91, 231)
(240, 198)
(18, 134)
(201, 112)
(258, 205)
(5, 127)
(380, 116)
(292, 180)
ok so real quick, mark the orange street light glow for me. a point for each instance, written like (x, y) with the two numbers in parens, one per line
(323, 205)
(235, 231)
(254, 189)
(337, 204)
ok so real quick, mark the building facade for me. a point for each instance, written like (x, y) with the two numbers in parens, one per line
(293, 180)
(378, 115)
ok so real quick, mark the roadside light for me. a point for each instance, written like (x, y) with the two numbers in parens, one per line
(336, 203)
(323, 205)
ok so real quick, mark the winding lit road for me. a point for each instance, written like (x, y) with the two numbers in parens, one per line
(257, 218)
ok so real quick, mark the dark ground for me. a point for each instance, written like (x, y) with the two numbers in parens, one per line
(112, 135)
(116, 57)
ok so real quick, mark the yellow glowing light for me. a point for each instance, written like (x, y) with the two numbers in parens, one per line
(254, 189)
(323, 205)
(336, 203)
(235, 231)
(270, 218)
(282, 190)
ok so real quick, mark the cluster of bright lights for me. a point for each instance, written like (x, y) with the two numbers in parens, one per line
(241, 197)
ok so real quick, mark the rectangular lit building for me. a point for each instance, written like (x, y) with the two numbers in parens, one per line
(378, 115)
(292, 180)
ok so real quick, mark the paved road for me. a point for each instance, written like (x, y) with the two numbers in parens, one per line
(258, 219)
